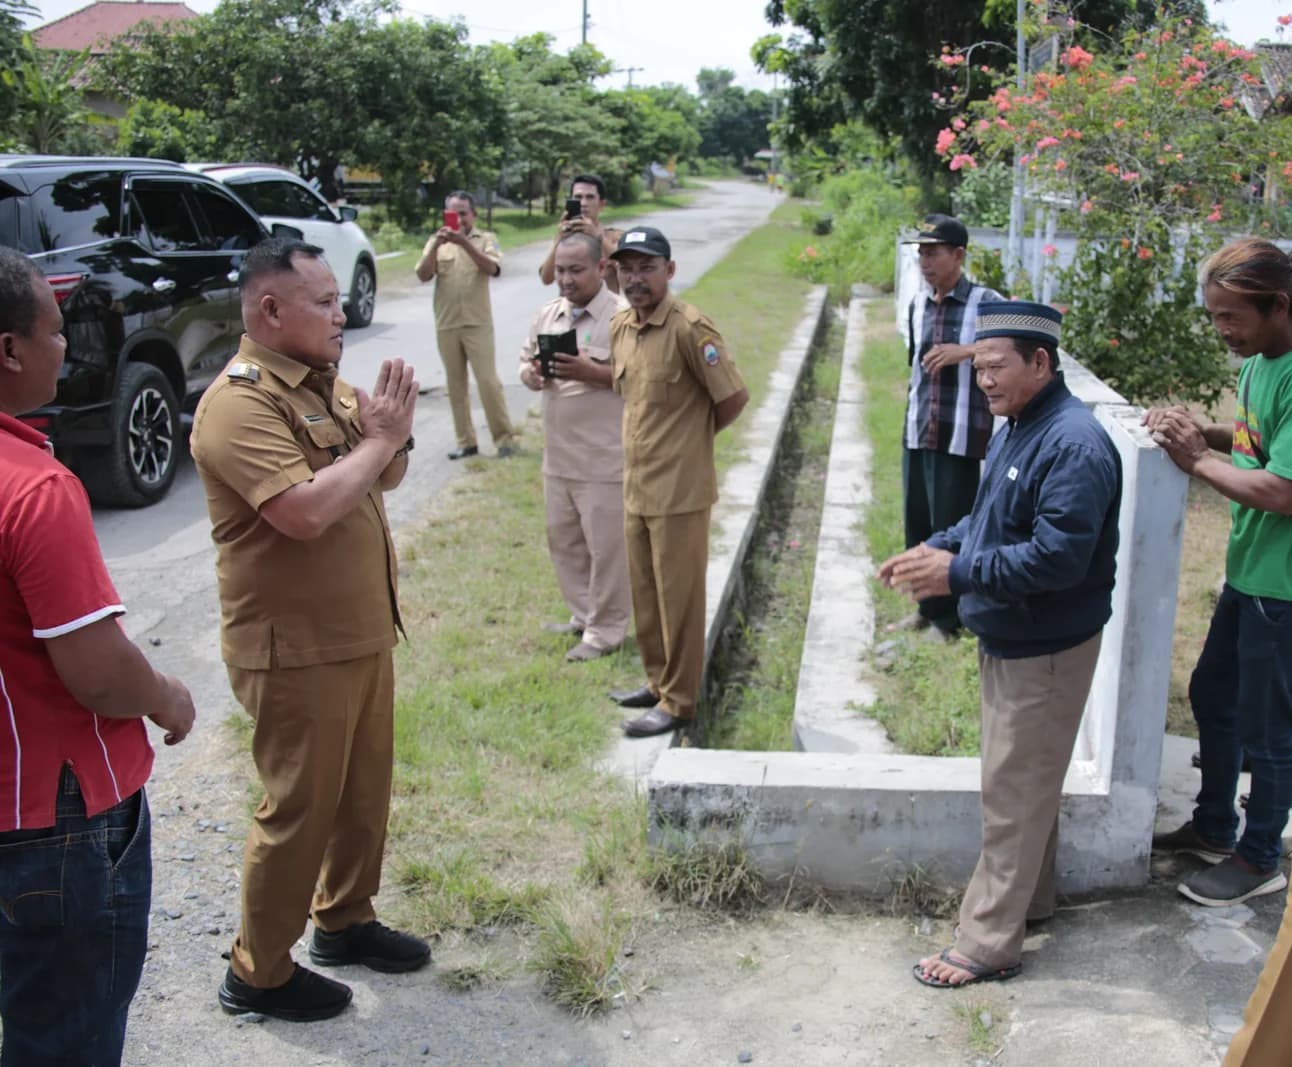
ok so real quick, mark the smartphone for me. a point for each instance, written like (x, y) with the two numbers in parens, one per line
(573, 208)
(451, 219)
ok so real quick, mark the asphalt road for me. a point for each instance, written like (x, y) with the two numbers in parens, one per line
(161, 557)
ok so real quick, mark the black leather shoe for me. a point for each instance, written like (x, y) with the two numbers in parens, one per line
(655, 721)
(305, 997)
(377, 947)
(635, 698)
(464, 453)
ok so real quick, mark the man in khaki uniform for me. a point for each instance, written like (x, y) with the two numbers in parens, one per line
(294, 462)
(679, 388)
(583, 456)
(590, 191)
(462, 261)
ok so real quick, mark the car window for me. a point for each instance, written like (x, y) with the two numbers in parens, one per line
(80, 209)
(286, 199)
(9, 235)
(228, 223)
(165, 216)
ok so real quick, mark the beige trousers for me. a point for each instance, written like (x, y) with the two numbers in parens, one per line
(668, 556)
(1031, 710)
(472, 346)
(585, 536)
(323, 745)
(1265, 1038)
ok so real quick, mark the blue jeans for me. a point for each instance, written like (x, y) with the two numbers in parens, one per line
(74, 900)
(1241, 692)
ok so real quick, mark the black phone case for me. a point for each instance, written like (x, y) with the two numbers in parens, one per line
(549, 344)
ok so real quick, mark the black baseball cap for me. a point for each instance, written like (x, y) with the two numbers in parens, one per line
(939, 230)
(646, 240)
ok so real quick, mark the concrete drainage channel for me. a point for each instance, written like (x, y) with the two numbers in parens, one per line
(845, 812)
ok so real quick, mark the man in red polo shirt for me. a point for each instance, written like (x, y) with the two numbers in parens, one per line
(75, 851)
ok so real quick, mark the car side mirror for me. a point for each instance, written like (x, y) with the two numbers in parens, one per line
(348, 213)
(281, 229)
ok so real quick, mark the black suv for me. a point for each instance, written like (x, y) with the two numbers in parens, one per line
(143, 257)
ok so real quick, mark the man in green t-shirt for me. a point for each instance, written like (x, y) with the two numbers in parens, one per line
(1241, 690)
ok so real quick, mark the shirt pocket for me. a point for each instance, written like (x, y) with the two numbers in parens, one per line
(326, 444)
(660, 381)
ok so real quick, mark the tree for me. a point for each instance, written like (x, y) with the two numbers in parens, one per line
(1147, 142)
(157, 130)
(47, 109)
(733, 121)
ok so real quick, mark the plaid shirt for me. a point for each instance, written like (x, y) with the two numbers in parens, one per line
(946, 411)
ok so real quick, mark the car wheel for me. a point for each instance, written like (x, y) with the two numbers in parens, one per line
(363, 296)
(139, 466)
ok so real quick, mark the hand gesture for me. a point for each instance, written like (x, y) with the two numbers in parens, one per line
(580, 368)
(176, 715)
(387, 415)
(444, 235)
(920, 572)
(940, 356)
(1179, 435)
(531, 376)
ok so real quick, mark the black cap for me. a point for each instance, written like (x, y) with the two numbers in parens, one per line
(646, 240)
(939, 230)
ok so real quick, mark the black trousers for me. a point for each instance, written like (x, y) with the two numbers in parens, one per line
(938, 490)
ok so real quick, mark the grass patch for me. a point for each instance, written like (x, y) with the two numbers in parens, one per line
(708, 876)
(577, 954)
(914, 893)
(756, 668)
(981, 1017)
(484, 973)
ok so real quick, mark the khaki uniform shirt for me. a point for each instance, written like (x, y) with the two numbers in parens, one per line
(265, 425)
(462, 288)
(582, 422)
(671, 370)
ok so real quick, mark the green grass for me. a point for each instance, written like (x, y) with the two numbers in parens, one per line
(927, 698)
(500, 815)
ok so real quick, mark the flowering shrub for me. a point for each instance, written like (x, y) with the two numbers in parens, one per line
(1151, 145)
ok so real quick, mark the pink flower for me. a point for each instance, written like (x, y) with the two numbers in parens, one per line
(1130, 175)
(1050, 250)
(1144, 253)
(1001, 99)
(982, 125)
(963, 160)
(957, 124)
(1113, 342)
(1215, 213)
(1087, 207)
(1287, 170)
(946, 140)
(1061, 165)
(1077, 57)
(1285, 20)
(1045, 143)
(1124, 82)
(1227, 102)
(1024, 159)
(1119, 124)
(952, 60)
(810, 252)
(1141, 55)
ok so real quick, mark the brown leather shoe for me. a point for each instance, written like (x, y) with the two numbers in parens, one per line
(655, 721)
(634, 698)
(583, 651)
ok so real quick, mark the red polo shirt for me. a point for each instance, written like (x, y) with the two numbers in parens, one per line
(52, 582)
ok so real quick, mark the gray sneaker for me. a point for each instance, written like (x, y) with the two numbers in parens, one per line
(1230, 882)
(1186, 840)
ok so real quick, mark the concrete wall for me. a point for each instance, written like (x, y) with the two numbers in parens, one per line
(847, 812)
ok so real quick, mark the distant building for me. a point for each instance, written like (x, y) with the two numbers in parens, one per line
(95, 27)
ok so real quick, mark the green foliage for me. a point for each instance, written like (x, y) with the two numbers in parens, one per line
(983, 195)
(868, 210)
(45, 109)
(157, 130)
(576, 954)
(1136, 323)
(708, 876)
(929, 700)
(986, 266)
(733, 121)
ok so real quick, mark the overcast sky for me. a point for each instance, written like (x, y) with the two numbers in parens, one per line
(670, 40)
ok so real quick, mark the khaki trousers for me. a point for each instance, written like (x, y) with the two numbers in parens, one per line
(585, 536)
(473, 346)
(1265, 1038)
(1031, 710)
(668, 556)
(323, 746)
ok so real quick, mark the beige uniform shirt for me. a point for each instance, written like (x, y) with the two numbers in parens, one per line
(462, 288)
(671, 370)
(264, 425)
(582, 423)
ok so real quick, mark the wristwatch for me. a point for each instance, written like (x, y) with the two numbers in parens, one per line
(404, 449)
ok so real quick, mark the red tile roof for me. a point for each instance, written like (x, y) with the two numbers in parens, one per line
(95, 26)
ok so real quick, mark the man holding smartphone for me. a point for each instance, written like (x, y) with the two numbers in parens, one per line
(582, 215)
(462, 260)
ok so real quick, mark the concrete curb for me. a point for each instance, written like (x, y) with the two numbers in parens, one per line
(735, 516)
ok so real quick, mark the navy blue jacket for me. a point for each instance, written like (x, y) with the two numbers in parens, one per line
(1035, 559)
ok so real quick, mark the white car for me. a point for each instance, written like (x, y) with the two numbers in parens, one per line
(279, 196)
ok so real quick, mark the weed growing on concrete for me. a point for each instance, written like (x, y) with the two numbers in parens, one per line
(708, 876)
(914, 893)
(981, 1017)
(577, 952)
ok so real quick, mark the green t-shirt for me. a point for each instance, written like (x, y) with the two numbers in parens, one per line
(1259, 561)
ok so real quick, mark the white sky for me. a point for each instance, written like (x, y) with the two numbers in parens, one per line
(672, 39)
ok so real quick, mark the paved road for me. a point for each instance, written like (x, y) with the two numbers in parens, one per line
(161, 557)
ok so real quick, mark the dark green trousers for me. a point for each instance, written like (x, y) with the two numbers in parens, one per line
(938, 490)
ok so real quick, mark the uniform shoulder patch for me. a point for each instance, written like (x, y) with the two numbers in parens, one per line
(247, 372)
(711, 353)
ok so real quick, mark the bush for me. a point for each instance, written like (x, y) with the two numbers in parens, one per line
(983, 195)
(868, 209)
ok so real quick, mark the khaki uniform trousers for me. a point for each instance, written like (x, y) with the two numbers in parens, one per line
(668, 556)
(1265, 1038)
(1031, 711)
(473, 346)
(323, 746)
(585, 536)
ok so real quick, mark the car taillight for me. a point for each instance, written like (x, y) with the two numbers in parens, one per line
(63, 284)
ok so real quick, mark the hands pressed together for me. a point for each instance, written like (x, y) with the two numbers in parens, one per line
(387, 415)
(1178, 434)
(920, 572)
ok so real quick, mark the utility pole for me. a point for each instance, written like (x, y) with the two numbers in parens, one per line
(1014, 245)
(584, 24)
(629, 72)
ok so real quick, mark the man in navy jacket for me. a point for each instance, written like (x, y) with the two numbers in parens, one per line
(1033, 565)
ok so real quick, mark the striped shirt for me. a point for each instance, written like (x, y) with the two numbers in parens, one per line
(52, 582)
(945, 410)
